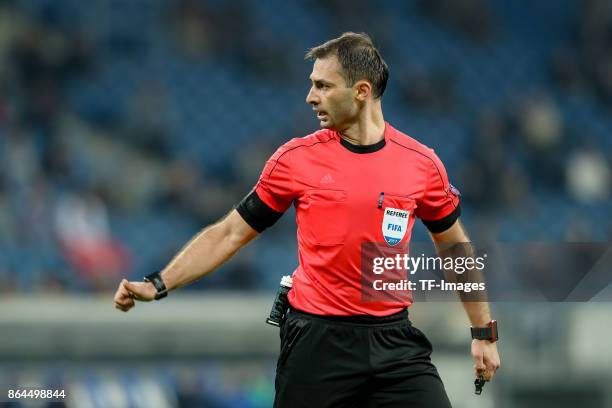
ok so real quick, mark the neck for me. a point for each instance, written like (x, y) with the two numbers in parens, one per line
(368, 129)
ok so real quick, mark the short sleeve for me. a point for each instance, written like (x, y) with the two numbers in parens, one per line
(438, 207)
(275, 186)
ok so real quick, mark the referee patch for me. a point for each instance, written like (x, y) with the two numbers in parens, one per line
(394, 225)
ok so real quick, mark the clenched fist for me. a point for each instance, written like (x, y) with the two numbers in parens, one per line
(130, 291)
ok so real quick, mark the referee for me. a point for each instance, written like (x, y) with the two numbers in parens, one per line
(356, 180)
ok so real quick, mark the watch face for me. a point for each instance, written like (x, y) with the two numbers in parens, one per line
(494, 333)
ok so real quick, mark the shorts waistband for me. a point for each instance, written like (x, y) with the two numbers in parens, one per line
(360, 320)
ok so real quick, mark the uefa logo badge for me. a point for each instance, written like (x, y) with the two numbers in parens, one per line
(454, 190)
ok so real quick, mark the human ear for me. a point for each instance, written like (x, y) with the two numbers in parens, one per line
(363, 89)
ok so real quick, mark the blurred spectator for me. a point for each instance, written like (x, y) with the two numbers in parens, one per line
(34, 214)
(471, 17)
(265, 56)
(20, 159)
(593, 55)
(194, 27)
(514, 185)
(566, 69)
(44, 59)
(146, 120)
(541, 126)
(588, 176)
(203, 28)
(81, 221)
(6, 221)
(427, 91)
(357, 15)
(249, 162)
(480, 175)
(540, 122)
(203, 198)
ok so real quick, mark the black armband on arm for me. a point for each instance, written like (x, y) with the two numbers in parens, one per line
(256, 213)
(443, 224)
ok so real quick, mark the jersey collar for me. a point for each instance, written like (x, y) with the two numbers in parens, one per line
(363, 149)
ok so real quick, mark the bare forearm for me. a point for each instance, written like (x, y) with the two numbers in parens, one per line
(474, 303)
(478, 313)
(208, 250)
(455, 243)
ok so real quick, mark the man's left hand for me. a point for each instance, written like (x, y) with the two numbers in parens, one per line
(486, 358)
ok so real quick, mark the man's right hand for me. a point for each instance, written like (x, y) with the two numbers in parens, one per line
(130, 291)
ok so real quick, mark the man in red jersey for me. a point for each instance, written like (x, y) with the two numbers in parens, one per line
(357, 180)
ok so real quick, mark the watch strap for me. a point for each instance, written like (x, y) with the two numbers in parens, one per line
(157, 281)
(486, 333)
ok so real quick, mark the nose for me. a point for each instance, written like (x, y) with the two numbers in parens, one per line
(312, 98)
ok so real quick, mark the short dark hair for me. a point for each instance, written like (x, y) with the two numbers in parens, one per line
(359, 60)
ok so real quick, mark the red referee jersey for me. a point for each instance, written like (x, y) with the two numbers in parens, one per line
(336, 189)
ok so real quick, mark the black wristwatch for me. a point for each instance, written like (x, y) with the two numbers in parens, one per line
(156, 279)
(486, 333)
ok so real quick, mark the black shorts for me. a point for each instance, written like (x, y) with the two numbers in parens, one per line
(356, 361)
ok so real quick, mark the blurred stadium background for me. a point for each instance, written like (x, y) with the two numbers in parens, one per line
(128, 125)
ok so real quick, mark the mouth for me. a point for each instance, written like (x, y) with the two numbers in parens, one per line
(321, 115)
